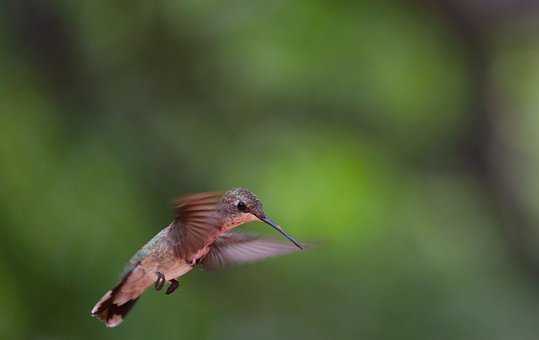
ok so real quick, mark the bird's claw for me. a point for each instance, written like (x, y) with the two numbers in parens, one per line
(173, 285)
(160, 282)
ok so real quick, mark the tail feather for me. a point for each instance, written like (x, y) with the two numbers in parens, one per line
(108, 310)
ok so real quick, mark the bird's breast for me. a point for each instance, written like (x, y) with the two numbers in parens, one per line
(201, 253)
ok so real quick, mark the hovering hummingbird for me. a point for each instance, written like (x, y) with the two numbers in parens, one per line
(199, 235)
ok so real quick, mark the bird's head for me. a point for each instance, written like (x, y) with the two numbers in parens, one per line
(240, 206)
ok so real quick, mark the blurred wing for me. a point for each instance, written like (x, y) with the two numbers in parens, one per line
(235, 248)
(195, 221)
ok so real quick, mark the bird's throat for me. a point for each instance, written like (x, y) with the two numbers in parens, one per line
(237, 220)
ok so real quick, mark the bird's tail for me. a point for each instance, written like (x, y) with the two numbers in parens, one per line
(112, 308)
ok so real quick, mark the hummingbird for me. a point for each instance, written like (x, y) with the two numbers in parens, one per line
(200, 235)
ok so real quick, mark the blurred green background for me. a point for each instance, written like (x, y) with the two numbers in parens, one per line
(403, 135)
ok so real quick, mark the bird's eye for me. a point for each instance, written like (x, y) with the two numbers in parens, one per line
(241, 206)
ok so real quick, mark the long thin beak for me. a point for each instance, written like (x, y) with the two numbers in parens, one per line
(277, 227)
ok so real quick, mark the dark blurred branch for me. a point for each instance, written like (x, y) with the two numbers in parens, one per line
(471, 21)
(43, 39)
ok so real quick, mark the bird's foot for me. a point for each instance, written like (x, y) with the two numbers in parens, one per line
(160, 282)
(173, 285)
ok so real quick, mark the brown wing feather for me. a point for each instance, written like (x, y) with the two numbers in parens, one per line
(195, 221)
(234, 248)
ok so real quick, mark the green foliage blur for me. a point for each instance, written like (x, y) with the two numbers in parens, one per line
(360, 125)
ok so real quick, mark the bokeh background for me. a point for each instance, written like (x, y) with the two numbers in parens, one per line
(402, 135)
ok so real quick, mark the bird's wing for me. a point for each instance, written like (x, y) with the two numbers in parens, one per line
(235, 248)
(195, 220)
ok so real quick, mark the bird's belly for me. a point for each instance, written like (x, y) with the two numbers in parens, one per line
(174, 269)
